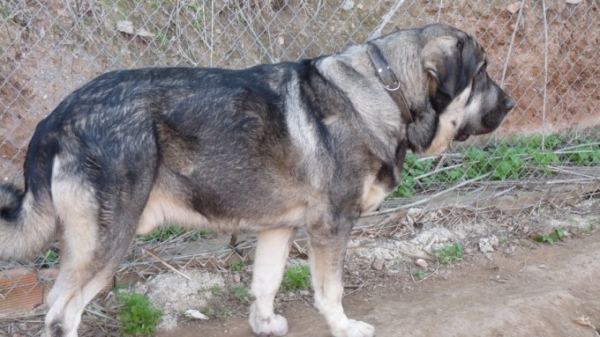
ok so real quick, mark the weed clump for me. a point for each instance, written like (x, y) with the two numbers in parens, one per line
(137, 315)
(296, 277)
(449, 254)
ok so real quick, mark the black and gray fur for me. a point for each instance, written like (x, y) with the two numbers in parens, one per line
(270, 148)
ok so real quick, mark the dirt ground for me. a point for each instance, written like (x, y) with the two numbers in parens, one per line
(534, 290)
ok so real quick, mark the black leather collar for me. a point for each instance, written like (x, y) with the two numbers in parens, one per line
(389, 81)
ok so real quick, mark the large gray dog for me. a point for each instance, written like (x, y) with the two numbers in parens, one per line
(269, 148)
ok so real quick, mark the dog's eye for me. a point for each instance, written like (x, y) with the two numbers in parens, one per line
(481, 69)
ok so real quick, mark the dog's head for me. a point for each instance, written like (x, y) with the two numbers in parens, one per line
(465, 99)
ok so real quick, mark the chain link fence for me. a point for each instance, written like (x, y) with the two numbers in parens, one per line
(546, 54)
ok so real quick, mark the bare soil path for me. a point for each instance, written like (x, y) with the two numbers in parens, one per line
(531, 291)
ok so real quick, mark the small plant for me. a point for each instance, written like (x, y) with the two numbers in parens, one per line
(237, 266)
(550, 238)
(161, 37)
(205, 233)
(241, 293)
(221, 312)
(449, 254)
(137, 315)
(503, 239)
(170, 231)
(48, 259)
(296, 277)
(592, 223)
(86, 21)
(208, 311)
(216, 311)
(419, 274)
(164, 233)
(216, 290)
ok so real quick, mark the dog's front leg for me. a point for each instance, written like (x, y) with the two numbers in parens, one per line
(271, 254)
(326, 254)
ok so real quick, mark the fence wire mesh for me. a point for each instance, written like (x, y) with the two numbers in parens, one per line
(544, 53)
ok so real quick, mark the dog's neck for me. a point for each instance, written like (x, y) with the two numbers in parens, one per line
(389, 81)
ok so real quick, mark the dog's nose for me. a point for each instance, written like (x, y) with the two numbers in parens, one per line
(509, 103)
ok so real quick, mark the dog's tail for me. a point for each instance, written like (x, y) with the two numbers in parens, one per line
(27, 223)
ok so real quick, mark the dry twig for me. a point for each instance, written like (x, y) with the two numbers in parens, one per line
(422, 201)
(512, 41)
(545, 73)
(585, 321)
(437, 267)
(149, 252)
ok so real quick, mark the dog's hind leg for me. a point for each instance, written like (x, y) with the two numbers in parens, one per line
(77, 285)
(96, 234)
(271, 254)
(327, 242)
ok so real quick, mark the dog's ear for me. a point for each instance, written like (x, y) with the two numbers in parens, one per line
(442, 61)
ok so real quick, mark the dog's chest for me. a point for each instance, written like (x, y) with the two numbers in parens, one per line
(374, 192)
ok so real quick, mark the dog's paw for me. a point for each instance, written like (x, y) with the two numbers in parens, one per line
(354, 329)
(274, 325)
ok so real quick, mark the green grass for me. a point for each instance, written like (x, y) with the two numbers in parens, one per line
(47, 259)
(171, 231)
(161, 37)
(137, 315)
(237, 266)
(296, 277)
(449, 254)
(503, 239)
(164, 233)
(218, 311)
(557, 234)
(6, 11)
(216, 290)
(241, 294)
(419, 274)
(510, 159)
(592, 223)
(205, 233)
(208, 311)
(86, 21)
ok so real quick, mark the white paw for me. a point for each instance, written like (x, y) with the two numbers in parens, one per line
(274, 325)
(354, 329)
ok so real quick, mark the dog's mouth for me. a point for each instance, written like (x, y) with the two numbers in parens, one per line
(462, 135)
(467, 131)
